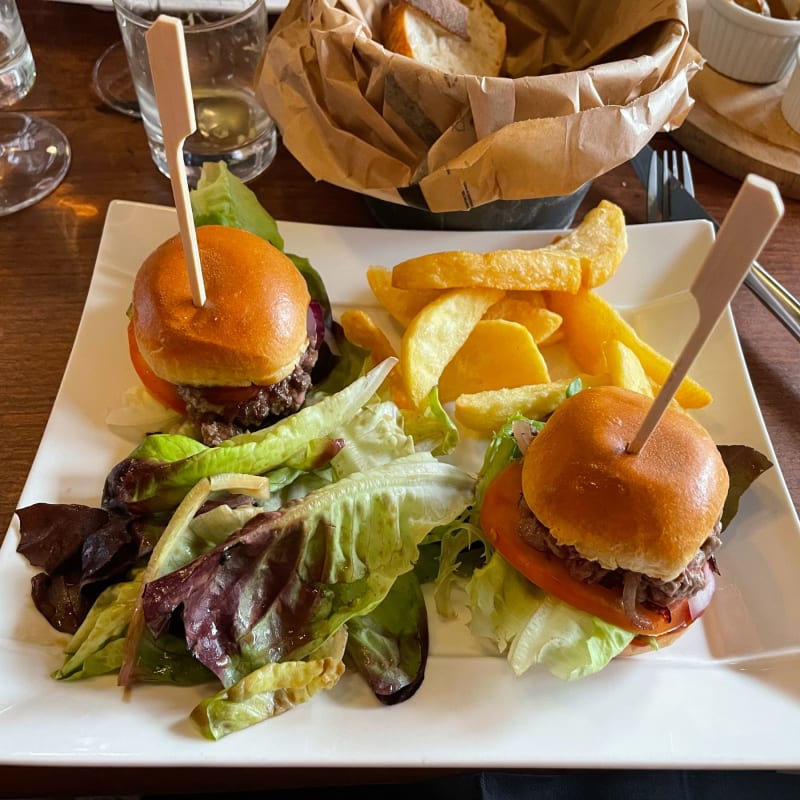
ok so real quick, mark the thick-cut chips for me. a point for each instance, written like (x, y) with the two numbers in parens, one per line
(535, 299)
(497, 353)
(589, 255)
(486, 412)
(588, 321)
(402, 304)
(600, 242)
(501, 269)
(361, 330)
(436, 334)
(540, 321)
(474, 323)
(624, 368)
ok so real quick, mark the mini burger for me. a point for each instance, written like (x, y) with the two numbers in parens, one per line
(243, 358)
(628, 538)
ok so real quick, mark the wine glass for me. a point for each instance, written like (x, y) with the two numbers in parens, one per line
(34, 154)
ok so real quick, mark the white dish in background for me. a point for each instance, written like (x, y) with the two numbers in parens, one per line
(790, 102)
(273, 6)
(726, 695)
(745, 45)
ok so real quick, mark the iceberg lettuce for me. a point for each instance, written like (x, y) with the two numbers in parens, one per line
(533, 627)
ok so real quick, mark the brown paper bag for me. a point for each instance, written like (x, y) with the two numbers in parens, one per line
(586, 85)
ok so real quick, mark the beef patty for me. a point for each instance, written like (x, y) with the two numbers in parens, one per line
(651, 592)
(220, 421)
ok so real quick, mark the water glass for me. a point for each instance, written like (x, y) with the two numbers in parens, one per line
(225, 41)
(17, 70)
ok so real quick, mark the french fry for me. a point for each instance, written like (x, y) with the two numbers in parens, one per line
(525, 270)
(361, 330)
(497, 354)
(624, 368)
(589, 255)
(402, 304)
(600, 242)
(533, 298)
(436, 334)
(485, 412)
(541, 322)
(588, 321)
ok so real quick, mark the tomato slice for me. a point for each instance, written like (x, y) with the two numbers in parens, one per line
(499, 519)
(163, 391)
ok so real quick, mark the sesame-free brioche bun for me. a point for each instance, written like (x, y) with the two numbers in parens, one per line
(252, 328)
(647, 513)
(644, 644)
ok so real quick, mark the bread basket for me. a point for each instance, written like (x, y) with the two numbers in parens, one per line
(585, 87)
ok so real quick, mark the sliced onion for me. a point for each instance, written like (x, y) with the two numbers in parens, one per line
(699, 602)
(523, 434)
(630, 590)
(315, 324)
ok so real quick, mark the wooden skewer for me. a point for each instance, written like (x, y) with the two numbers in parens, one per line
(755, 212)
(166, 50)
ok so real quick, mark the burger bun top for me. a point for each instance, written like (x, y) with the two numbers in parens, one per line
(649, 512)
(252, 329)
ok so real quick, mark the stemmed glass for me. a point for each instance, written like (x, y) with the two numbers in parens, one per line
(34, 154)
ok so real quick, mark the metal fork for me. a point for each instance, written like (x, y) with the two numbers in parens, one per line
(769, 291)
(658, 194)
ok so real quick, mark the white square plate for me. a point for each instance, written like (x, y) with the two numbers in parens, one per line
(726, 694)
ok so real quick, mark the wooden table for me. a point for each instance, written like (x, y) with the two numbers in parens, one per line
(47, 253)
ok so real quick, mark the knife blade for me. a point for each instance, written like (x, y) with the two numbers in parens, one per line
(684, 206)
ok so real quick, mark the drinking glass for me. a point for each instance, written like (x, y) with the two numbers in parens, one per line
(34, 154)
(225, 41)
(112, 82)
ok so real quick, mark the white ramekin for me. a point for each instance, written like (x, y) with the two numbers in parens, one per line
(790, 102)
(746, 46)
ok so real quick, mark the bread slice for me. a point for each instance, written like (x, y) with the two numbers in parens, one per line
(410, 32)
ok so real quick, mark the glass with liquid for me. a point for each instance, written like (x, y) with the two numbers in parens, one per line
(225, 41)
(17, 70)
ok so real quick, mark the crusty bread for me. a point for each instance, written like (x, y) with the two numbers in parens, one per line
(413, 33)
(648, 513)
(252, 329)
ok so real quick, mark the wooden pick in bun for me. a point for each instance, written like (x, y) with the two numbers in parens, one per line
(252, 332)
(628, 538)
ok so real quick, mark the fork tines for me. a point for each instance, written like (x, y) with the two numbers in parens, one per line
(658, 195)
(653, 191)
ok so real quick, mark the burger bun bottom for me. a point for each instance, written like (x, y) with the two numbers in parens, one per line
(642, 644)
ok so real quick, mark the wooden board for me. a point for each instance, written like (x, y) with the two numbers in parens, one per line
(738, 128)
